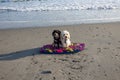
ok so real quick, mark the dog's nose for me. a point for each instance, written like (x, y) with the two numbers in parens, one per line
(65, 36)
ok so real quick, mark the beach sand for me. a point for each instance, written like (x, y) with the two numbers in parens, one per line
(20, 58)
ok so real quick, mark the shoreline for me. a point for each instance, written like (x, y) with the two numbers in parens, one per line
(67, 25)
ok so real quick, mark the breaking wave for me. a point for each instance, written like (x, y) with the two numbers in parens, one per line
(49, 5)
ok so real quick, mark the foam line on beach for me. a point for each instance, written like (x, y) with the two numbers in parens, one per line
(49, 5)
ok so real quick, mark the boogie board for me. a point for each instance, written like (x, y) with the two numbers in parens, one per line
(74, 48)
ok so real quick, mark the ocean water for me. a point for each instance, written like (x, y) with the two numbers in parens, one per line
(41, 13)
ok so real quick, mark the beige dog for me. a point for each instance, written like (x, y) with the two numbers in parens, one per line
(65, 35)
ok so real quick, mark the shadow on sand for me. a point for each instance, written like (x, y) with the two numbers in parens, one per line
(20, 54)
(24, 53)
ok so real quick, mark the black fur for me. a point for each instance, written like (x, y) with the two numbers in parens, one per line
(57, 38)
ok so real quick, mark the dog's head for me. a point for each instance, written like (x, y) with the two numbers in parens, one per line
(65, 34)
(56, 34)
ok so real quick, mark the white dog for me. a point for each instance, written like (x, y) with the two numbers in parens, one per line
(65, 38)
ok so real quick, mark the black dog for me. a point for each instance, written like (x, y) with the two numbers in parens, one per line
(57, 38)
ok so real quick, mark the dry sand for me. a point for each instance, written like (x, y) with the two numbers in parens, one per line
(20, 58)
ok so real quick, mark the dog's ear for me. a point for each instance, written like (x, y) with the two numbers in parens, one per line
(53, 32)
(68, 35)
(59, 32)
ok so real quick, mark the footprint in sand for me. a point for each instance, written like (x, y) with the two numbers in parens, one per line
(118, 47)
(75, 60)
(99, 65)
(105, 74)
(97, 27)
(54, 78)
(76, 67)
(1, 78)
(33, 61)
(99, 50)
(97, 35)
(40, 78)
(109, 43)
(106, 48)
(63, 59)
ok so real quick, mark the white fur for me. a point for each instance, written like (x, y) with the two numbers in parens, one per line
(65, 38)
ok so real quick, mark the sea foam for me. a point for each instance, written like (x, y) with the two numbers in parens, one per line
(49, 5)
